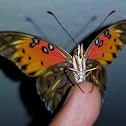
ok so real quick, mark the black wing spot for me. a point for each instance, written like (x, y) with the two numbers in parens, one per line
(114, 55)
(31, 74)
(118, 47)
(42, 63)
(35, 42)
(29, 58)
(101, 43)
(44, 49)
(97, 41)
(103, 55)
(23, 51)
(24, 67)
(18, 59)
(107, 34)
(50, 47)
(110, 47)
(114, 40)
(108, 62)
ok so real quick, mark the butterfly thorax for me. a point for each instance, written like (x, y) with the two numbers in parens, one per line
(79, 62)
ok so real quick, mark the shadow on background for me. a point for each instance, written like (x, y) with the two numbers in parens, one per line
(28, 93)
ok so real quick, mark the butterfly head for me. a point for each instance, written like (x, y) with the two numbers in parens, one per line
(79, 51)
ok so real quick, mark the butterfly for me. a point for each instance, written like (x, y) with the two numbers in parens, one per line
(55, 69)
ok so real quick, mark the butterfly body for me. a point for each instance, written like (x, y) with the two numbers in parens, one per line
(79, 65)
(55, 69)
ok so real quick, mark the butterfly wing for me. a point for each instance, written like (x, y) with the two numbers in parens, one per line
(106, 45)
(98, 76)
(30, 53)
(52, 85)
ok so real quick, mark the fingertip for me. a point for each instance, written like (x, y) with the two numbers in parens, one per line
(80, 108)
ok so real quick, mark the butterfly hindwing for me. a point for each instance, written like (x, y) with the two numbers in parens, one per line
(106, 46)
(52, 85)
(30, 53)
(98, 76)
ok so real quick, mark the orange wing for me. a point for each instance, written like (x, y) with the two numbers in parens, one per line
(105, 46)
(30, 53)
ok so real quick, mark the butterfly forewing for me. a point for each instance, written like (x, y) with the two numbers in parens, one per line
(52, 85)
(30, 53)
(106, 45)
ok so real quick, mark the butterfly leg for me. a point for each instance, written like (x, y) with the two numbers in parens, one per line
(80, 87)
(98, 77)
(71, 75)
(93, 83)
(99, 68)
(92, 88)
(90, 72)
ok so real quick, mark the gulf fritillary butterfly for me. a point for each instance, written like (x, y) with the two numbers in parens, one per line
(56, 69)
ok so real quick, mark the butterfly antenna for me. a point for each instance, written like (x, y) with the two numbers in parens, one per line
(49, 12)
(104, 20)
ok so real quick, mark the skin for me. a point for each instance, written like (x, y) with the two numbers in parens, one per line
(79, 109)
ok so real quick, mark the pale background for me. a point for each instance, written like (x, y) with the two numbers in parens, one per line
(19, 102)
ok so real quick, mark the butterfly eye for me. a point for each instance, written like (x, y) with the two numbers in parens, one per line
(75, 51)
(50, 47)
